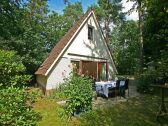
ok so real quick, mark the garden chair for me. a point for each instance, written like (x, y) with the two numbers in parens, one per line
(93, 85)
(127, 85)
(124, 88)
(117, 88)
(112, 90)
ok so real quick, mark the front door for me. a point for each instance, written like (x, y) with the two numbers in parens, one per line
(102, 71)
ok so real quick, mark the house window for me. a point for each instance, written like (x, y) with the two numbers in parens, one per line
(90, 32)
(75, 66)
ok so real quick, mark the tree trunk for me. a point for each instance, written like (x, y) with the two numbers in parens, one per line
(140, 15)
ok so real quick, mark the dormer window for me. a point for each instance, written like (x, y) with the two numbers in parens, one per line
(90, 32)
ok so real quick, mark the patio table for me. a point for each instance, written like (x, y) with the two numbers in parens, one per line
(162, 107)
(104, 86)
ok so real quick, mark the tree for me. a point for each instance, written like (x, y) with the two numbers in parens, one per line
(58, 25)
(33, 39)
(28, 29)
(9, 18)
(140, 15)
(155, 43)
(29, 24)
(54, 29)
(155, 29)
(72, 13)
(109, 14)
(125, 45)
(155, 33)
(139, 6)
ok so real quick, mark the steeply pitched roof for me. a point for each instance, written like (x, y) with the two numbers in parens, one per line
(60, 46)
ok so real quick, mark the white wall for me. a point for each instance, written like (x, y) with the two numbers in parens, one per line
(83, 46)
(58, 73)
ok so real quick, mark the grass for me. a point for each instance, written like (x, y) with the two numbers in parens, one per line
(52, 114)
(135, 112)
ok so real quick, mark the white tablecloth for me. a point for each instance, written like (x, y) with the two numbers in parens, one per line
(104, 86)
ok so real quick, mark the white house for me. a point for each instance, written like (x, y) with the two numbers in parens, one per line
(83, 45)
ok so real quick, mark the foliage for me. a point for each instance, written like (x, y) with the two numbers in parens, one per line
(161, 65)
(9, 18)
(15, 108)
(12, 70)
(156, 29)
(139, 6)
(145, 80)
(78, 90)
(28, 28)
(155, 34)
(58, 93)
(72, 13)
(125, 46)
(62, 113)
(57, 25)
(26, 19)
(15, 103)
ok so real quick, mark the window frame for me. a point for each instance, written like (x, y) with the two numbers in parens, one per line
(90, 32)
(76, 63)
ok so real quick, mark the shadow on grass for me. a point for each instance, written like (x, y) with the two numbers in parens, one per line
(135, 112)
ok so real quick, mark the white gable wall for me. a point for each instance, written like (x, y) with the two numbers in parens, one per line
(81, 45)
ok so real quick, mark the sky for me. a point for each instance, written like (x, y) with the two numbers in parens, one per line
(127, 6)
(58, 6)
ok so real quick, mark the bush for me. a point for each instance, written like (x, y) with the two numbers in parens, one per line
(15, 108)
(78, 90)
(145, 80)
(58, 94)
(12, 70)
(15, 102)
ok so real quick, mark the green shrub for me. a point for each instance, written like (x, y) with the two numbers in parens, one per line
(145, 80)
(58, 94)
(12, 70)
(62, 113)
(78, 90)
(15, 102)
(15, 108)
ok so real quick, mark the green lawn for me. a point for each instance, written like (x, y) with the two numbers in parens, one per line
(135, 112)
(52, 114)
